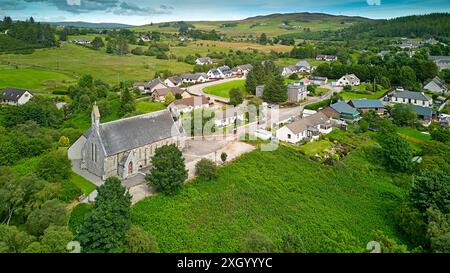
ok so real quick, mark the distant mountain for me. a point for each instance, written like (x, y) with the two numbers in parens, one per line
(92, 25)
(302, 16)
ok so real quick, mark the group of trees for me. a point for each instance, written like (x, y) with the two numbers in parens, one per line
(269, 75)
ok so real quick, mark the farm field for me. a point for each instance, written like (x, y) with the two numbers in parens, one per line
(223, 89)
(272, 192)
(76, 60)
(33, 79)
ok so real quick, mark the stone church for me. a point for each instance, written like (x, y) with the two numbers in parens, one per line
(123, 147)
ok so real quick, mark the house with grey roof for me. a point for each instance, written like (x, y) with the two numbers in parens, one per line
(349, 79)
(160, 94)
(365, 106)
(318, 81)
(242, 70)
(203, 61)
(310, 127)
(173, 81)
(436, 85)
(442, 62)
(190, 78)
(123, 147)
(327, 58)
(410, 97)
(14, 96)
(150, 87)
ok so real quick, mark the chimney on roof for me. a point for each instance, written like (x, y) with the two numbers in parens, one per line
(95, 117)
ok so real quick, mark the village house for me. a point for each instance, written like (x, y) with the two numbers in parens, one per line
(328, 58)
(188, 105)
(318, 81)
(203, 61)
(14, 96)
(442, 62)
(229, 116)
(173, 81)
(242, 70)
(436, 85)
(160, 94)
(124, 147)
(341, 111)
(189, 78)
(82, 42)
(409, 97)
(424, 114)
(364, 106)
(349, 79)
(297, 92)
(150, 87)
(310, 127)
(145, 38)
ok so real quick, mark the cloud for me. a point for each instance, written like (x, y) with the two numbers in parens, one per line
(11, 5)
(166, 7)
(127, 8)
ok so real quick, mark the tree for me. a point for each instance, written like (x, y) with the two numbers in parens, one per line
(63, 35)
(206, 169)
(223, 157)
(137, 241)
(168, 170)
(263, 39)
(127, 103)
(56, 238)
(55, 166)
(13, 240)
(64, 141)
(52, 212)
(236, 96)
(348, 88)
(86, 81)
(438, 231)
(105, 227)
(97, 43)
(411, 223)
(169, 98)
(403, 114)
(431, 189)
(178, 96)
(396, 152)
(275, 90)
(407, 77)
(441, 135)
(387, 244)
(121, 45)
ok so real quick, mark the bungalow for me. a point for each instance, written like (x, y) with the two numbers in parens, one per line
(341, 111)
(436, 85)
(310, 127)
(13, 96)
(318, 81)
(189, 78)
(304, 63)
(297, 92)
(203, 61)
(215, 74)
(173, 81)
(145, 38)
(229, 116)
(409, 97)
(150, 87)
(365, 106)
(443, 62)
(328, 58)
(242, 70)
(160, 94)
(82, 41)
(187, 105)
(349, 79)
(225, 70)
(425, 114)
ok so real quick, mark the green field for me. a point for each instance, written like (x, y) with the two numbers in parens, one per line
(34, 79)
(143, 107)
(414, 134)
(315, 147)
(223, 89)
(332, 209)
(354, 95)
(77, 60)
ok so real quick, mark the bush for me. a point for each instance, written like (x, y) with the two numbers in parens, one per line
(257, 243)
(206, 169)
(69, 191)
(54, 166)
(137, 241)
(78, 216)
(317, 105)
(52, 212)
(223, 157)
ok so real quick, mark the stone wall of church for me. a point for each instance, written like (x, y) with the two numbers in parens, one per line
(142, 156)
(93, 155)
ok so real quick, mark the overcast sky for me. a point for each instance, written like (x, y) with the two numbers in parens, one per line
(139, 12)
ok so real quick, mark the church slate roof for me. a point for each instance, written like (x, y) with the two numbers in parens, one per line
(131, 133)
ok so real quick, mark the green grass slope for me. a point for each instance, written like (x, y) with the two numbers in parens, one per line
(333, 209)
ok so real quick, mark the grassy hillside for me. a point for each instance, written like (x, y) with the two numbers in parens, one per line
(272, 25)
(332, 209)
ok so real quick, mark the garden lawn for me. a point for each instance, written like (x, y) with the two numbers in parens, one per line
(223, 89)
(143, 107)
(332, 209)
(413, 133)
(84, 185)
(315, 147)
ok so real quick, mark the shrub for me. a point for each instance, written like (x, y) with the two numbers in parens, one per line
(206, 169)
(54, 166)
(257, 243)
(69, 191)
(52, 212)
(78, 216)
(137, 241)
(223, 157)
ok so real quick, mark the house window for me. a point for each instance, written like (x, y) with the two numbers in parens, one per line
(92, 151)
(95, 153)
(289, 136)
(423, 102)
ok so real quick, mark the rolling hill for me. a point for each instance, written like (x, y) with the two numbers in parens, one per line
(92, 25)
(272, 25)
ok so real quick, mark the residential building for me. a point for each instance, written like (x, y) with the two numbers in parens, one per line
(242, 70)
(425, 114)
(303, 63)
(82, 41)
(160, 94)
(365, 106)
(318, 81)
(259, 91)
(14, 96)
(436, 85)
(122, 148)
(297, 92)
(220, 72)
(409, 97)
(150, 87)
(190, 78)
(442, 62)
(310, 127)
(341, 111)
(229, 116)
(328, 58)
(173, 81)
(187, 105)
(349, 79)
(203, 61)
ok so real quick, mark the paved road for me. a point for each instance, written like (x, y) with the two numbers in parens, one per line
(198, 89)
